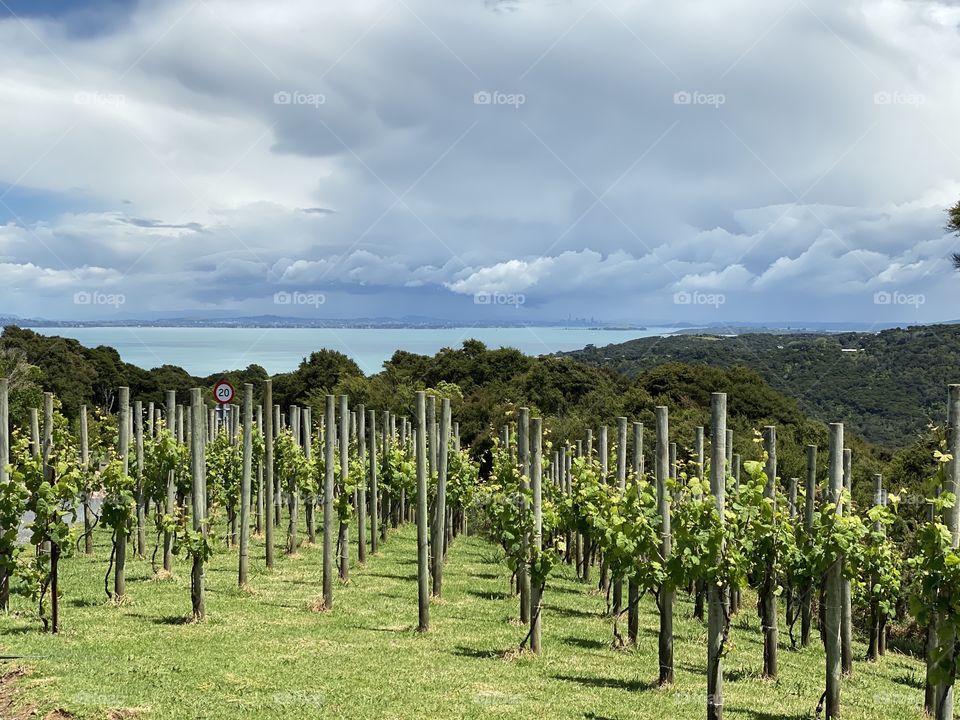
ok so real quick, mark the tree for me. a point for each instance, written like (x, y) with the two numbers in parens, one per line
(953, 226)
(22, 379)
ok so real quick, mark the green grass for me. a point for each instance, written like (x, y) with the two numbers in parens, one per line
(265, 654)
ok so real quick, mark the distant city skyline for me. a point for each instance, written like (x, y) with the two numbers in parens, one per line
(513, 161)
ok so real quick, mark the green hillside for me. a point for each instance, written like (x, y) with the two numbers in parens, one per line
(886, 386)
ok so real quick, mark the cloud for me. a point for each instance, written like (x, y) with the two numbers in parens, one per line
(207, 156)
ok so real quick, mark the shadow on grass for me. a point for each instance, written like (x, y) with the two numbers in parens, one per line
(490, 594)
(730, 674)
(84, 603)
(173, 620)
(566, 590)
(391, 576)
(587, 643)
(600, 682)
(463, 651)
(914, 681)
(394, 630)
(21, 630)
(761, 715)
(570, 612)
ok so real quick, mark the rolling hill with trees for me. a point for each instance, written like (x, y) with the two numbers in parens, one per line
(886, 386)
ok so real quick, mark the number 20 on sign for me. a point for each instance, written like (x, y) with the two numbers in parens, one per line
(223, 392)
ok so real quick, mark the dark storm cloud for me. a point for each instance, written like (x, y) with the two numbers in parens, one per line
(602, 159)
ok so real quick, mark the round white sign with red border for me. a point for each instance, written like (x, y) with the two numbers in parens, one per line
(223, 392)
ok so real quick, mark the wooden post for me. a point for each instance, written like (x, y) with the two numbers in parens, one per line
(120, 556)
(846, 599)
(293, 492)
(633, 590)
(170, 499)
(431, 438)
(310, 508)
(50, 547)
(768, 598)
(245, 483)
(536, 589)
(735, 596)
(34, 432)
(791, 592)
(523, 458)
(344, 474)
(329, 458)
(4, 462)
(734, 602)
(666, 544)
(277, 480)
(388, 501)
(700, 589)
(85, 464)
(374, 491)
(564, 490)
(362, 490)
(873, 648)
(198, 465)
(268, 482)
(951, 518)
(832, 583)
(809, 507)
(622, 487)
(698, 451)
(603, 450)
(930, 688)
(423, 569)
(882, 639)
(440, 509)
(729, 440)
(258, 520)
(141, 493)
(717, 595)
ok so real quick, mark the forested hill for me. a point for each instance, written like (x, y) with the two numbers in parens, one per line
(887, 386)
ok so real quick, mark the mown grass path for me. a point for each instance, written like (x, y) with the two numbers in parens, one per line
(266, 654)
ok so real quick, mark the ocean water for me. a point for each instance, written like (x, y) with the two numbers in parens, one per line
(204, 351)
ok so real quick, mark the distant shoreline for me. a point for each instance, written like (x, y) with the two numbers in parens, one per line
(335, 325)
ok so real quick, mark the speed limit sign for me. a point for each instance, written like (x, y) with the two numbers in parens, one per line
(223, 392)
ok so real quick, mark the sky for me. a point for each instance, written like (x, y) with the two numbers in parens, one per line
(476, 160)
